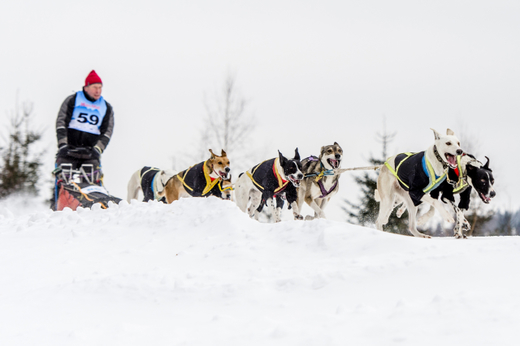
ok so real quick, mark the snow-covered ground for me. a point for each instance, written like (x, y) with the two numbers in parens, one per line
(200, 272)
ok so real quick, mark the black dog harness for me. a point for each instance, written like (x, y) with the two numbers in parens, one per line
(147, 177)
(199, 183)
(417, 176)
(268, 180)
(267, 173)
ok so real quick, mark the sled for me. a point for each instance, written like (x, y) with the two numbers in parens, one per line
(82, 187)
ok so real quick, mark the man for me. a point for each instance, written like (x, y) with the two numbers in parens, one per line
(84, 125)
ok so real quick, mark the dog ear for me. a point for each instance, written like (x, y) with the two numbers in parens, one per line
(486, 166)
(336, 143)
(283, 160)
(296, 155)
(437, 135)
(450, 132)
(223, 153)
(212, 154)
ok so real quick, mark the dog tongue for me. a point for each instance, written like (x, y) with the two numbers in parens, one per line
(452, 160)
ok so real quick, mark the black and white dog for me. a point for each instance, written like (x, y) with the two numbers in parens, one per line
(274, 179)
(410, 178)
(321, 181)
(478, 176)
(151, 181)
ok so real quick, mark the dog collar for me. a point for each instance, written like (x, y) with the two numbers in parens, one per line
(439, 158)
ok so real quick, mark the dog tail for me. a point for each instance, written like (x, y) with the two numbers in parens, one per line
(376, 196)
(133, 187)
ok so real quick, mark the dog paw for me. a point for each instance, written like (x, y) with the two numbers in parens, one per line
(298, 217)
(309, 218)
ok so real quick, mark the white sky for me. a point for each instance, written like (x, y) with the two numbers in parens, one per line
(315, 72)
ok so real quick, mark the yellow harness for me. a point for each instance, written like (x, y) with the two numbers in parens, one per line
(209, 184)
(427, 167)
(281, 183)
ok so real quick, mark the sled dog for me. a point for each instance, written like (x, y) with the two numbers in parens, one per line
(202, 180)
(410, 178)
(150, 181)
(475, 175)
(321, 182)
(274, 179)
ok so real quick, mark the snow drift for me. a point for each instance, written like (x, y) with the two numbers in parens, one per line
(200, 272)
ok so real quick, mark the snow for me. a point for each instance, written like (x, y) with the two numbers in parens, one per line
(200, 272)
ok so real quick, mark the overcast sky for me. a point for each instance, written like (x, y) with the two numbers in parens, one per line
(314, 72)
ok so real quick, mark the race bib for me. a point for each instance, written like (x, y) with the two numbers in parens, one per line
(88, 116)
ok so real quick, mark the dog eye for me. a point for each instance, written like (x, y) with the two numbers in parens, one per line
(448, 143)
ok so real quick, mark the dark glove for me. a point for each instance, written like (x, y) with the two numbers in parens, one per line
(64, 148)
(96, 152)
(98, 149)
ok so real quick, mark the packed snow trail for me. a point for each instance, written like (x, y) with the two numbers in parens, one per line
(200, 272)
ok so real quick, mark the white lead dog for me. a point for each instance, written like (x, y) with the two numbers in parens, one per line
(409, 178)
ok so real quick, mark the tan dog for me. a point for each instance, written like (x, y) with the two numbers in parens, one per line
(202, 180)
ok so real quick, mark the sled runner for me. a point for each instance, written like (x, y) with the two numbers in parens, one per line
(82, 187)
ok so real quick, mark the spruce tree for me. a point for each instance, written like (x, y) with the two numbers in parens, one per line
(365, 212)
(19, 166)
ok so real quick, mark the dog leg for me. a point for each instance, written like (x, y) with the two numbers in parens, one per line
(412, 220)
(256, 199)
(273, 210)
(318, 212)
(426, 216)
(461, 224)
(401, 210)
(296, 211)
(133, 187)
(439, 206)
(386, 206)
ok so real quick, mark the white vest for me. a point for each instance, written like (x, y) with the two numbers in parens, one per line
(87, 116)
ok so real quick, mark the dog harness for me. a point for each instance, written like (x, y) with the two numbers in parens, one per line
(147, 176)
(319, 177)
(415, 174)
(199, 183)
(261, 170)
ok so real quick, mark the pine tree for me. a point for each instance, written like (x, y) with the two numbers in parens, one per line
(365, 212)
(19, 166)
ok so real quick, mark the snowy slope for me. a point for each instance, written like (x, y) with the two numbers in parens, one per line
(200, 272)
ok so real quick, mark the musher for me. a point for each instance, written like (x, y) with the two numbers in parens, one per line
(84, 127)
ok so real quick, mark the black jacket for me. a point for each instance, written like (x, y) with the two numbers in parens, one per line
(195, 182)
(412, 177)
(266, 181)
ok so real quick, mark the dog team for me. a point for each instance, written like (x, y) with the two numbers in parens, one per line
(405, 180)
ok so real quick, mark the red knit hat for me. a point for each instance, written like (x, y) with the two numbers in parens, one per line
(92, 78)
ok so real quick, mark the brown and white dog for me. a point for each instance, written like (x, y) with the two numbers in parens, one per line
(202, 180)
(321, 182)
